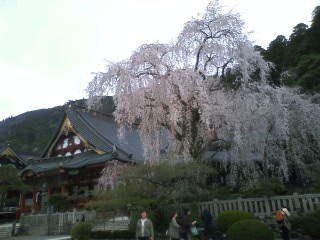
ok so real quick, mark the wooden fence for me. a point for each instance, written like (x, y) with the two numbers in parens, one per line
(52, 224)
(61, 223)
(266, 206)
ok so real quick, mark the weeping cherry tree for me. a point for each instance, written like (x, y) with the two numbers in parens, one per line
(175, 95)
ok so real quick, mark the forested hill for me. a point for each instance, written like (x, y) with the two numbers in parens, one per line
(30, 132)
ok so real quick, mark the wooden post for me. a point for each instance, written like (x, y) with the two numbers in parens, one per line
(296, 202)
(23, 202)
(215, 207)
(239, 203)
(267, 206)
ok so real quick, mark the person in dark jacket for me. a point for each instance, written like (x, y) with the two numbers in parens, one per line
(186, 225)
(207, 218)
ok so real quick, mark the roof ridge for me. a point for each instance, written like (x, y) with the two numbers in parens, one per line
(14, 153)
(54, 136)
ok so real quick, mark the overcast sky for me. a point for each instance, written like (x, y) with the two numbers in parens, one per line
(48, 48)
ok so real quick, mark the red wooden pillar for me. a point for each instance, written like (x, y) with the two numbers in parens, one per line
(23, 202)
(49, 192)
(63, 189)
(33, 206)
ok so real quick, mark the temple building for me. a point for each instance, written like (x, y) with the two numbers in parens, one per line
(72, 162)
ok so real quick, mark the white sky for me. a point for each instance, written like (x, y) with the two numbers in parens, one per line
(48, 48)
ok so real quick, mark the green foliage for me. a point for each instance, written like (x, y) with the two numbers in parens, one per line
(308, 71)
(227, 218)
(250, 230)
(232, 80)
(147, 185)
(298, 56)
(309, 224)
(59, 202)
(169, 182)
(112, 235)
(30, 132)
(152, 187)
(265, 187)
(276, 54)
(81, 231)
(10, 180)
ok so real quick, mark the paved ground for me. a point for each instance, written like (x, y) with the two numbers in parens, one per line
(60, 237)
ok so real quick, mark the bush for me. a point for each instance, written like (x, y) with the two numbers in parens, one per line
(311, 226)
(81, 231)
(227, 218)
(250, 229)
(265, 187)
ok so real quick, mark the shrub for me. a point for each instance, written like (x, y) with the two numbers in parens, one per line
(315, 214)
(311, 226)
(227, 218)
(250, 229)
(265, 187)
(81, 231)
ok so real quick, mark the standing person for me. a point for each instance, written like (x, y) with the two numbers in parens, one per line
(186, 225)
(174, 227)
(144, 228)
(207, 223)
(83, 218)
(283, 222)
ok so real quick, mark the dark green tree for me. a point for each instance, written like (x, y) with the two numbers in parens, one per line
(296, 48)
(147, 185)
(313, 33)
(59, 202)
(10, 180)
(308, 71)
(276, 53)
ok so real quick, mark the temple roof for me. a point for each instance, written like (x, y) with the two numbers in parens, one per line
(51, 165)
(8, 156)
(99, 132)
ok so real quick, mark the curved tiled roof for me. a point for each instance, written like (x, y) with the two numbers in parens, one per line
(100, 132)
(17, 158)
(46, 165)
(103, 134)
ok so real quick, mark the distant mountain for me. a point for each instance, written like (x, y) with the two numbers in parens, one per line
(30, 132)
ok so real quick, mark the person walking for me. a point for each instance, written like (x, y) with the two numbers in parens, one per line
(186, 225)
(144, 228)
(207, 218)
(174, 227)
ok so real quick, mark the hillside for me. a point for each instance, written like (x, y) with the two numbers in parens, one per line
(31, 131)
